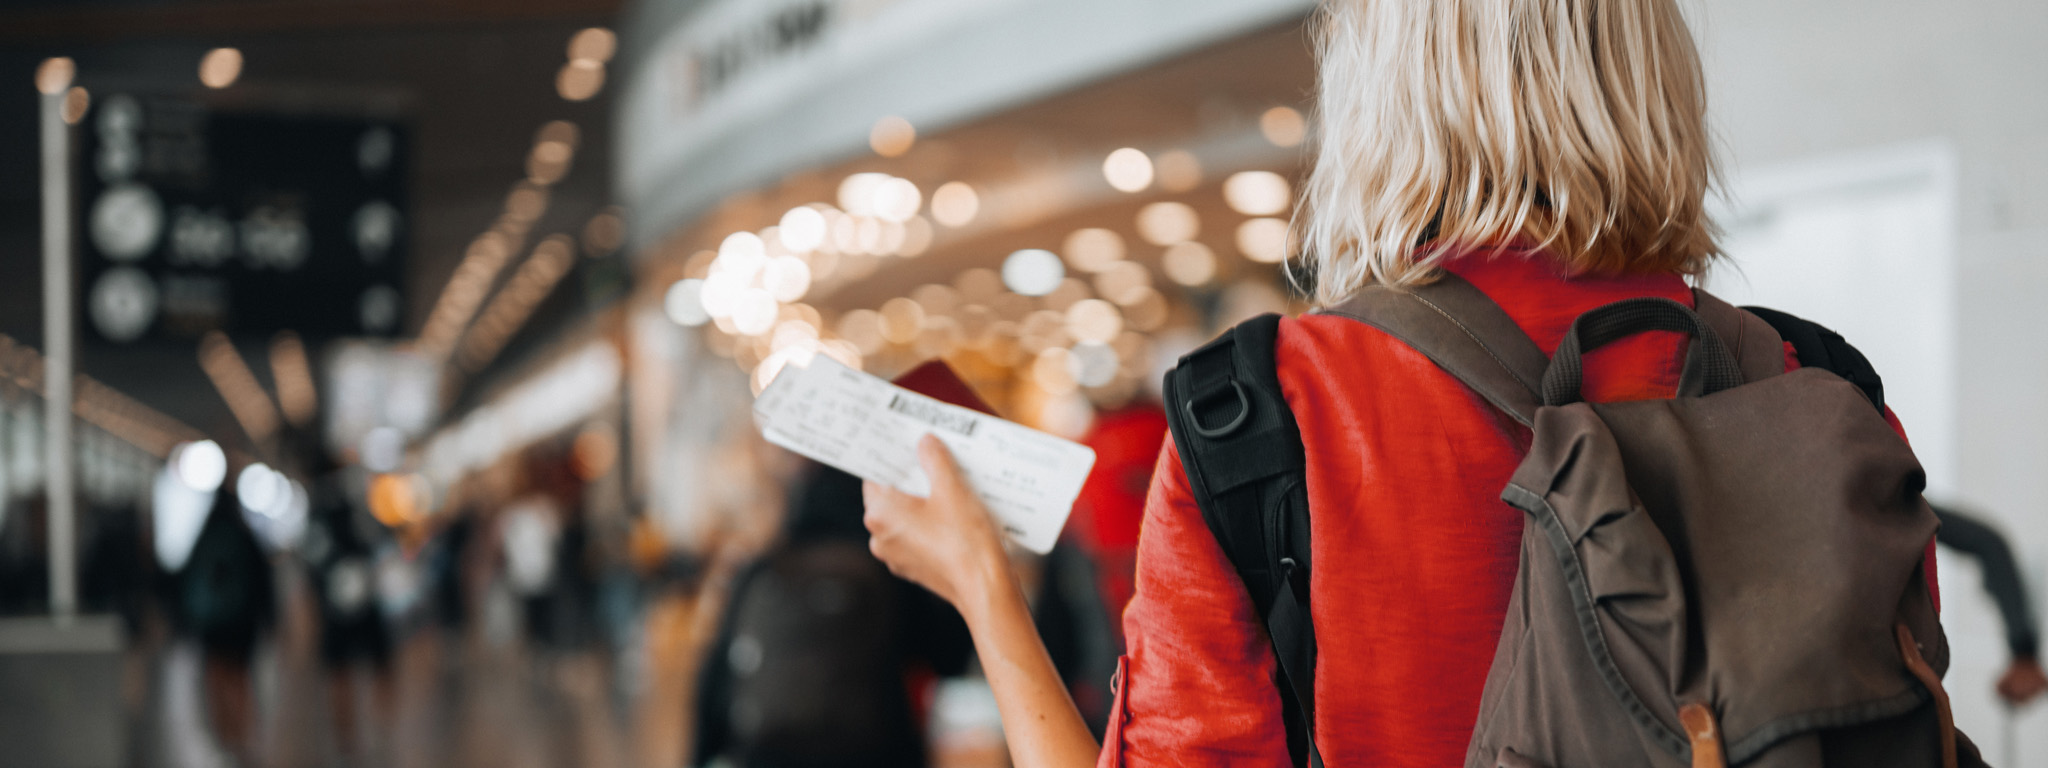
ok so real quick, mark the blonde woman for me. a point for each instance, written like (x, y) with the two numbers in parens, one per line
(1553, 154)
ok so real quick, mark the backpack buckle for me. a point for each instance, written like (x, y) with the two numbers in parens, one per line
(1244, 411)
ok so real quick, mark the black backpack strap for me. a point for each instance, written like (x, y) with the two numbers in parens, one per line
(1818, 347)
(1242, 452)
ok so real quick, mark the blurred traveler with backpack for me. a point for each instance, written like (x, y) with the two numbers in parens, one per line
(1457, 516)
(227, 600)
(823, 658)
(2023, 680)
(344, 545)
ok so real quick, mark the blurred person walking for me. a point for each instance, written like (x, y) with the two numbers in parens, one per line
(343, 547)
(227, 602)
(2023, 680)
(823, 658)
(1509, 165)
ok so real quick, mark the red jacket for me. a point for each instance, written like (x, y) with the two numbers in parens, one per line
(1415, 553)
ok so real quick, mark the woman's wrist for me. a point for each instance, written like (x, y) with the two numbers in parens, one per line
(987, 585)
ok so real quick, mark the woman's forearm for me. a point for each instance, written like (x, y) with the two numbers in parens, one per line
(1043, 728)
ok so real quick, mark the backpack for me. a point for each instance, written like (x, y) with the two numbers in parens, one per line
(1731, 577)
(812, 669)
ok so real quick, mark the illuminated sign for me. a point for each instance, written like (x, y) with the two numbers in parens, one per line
(196, 220)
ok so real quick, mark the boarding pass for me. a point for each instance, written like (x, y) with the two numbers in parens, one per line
(870, 428)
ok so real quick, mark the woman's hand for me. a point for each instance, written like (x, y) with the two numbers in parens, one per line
(947, 542)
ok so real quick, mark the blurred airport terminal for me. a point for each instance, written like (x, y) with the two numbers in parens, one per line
(409, 344)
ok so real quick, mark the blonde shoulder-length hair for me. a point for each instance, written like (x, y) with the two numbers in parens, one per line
(1573, 126)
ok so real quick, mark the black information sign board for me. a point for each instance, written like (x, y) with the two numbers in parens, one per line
(195, 220)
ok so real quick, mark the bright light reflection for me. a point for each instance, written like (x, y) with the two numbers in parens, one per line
(1283, 126)
(1128, 170)
(201, 466)
(802, 229)
(1256, 193)
(857, 193)
(955, 204)
(1263, 240)
(220, 67)
(1033, 272)
(1167, 223)
(896, 200)
(1093, 249)
(1190, 263)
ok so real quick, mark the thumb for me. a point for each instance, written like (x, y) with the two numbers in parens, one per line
(939, 466)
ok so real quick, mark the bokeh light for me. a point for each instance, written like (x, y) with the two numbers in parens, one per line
(1283, 126)
(955, 204)
(753, 312)
(1257, 193)
(594, 44)
(902, 319)
(1166, 223)
(1033, 272)
(1128, 170)
(862, 328)
(787, 278)
(55, 74)
(1263, 240)
(200, 465)
(220, 67)
(1189, 263)
(1119, 282)
(802, 229)
(579, 79)
(892, 136)
(917, 237)
(1178, 170)
(1052, 372)
(1094, 321)
(1093, 249)
(1092, 364)
(896, 200)
(1146, 310)
(76, 101)
(857, 192)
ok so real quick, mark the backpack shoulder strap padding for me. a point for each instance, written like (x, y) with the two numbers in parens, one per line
(1463, 332)
(1241, 449)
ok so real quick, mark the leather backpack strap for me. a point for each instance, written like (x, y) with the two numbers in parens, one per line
(1463, 332)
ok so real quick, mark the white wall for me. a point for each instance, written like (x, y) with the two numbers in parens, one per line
(1795, 81)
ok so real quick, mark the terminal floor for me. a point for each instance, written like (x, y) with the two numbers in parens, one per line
(459, 699)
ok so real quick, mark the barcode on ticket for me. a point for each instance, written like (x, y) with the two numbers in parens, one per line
(933, 414)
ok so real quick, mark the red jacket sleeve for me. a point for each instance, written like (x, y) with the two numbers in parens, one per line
(1196, 685)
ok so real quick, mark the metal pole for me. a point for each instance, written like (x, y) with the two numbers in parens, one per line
(59, 455)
